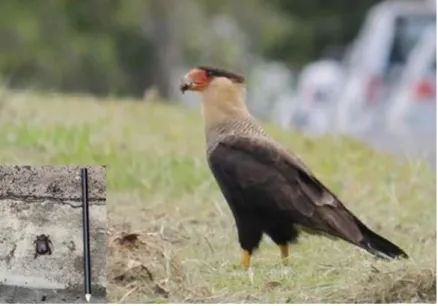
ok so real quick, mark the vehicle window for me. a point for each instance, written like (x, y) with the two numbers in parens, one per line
(408, 30)
(432, 67)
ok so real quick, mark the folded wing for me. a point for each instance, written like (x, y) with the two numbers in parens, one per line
(281, 182)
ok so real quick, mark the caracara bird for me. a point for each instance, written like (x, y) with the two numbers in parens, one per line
(269, 189)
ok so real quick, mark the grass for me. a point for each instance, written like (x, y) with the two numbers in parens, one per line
(172, 237)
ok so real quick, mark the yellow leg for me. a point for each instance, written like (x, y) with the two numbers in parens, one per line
(284, 249)
(246, 259)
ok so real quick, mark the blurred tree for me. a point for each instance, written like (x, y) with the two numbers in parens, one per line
(316, 27)
(123, 47)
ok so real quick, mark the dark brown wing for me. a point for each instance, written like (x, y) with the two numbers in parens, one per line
(278, 182)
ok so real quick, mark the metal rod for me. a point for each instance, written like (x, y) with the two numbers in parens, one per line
(86, 233)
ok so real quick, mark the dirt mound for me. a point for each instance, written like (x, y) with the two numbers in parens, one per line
(407, 284)
(142, 264)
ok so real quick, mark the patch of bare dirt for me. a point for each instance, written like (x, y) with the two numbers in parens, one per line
(144, 267)
(405, 285)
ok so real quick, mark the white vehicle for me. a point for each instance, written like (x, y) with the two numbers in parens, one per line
(319, 85)
(412, 106)
(376, 58)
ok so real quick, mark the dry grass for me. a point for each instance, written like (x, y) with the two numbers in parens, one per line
(172, 236)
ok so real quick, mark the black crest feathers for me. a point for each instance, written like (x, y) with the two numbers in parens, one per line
(217, 72)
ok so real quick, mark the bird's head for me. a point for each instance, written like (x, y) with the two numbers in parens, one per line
(203, 78)
(223, 93)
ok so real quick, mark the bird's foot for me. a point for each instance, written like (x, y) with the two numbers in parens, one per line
(246, 263)
(250, 275)
(246, 260)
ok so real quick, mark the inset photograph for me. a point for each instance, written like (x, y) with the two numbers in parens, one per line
(53, 234)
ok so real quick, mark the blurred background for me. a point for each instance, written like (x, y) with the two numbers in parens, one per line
(365, 68)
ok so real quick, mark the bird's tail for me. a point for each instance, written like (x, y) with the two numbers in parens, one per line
(377, 245)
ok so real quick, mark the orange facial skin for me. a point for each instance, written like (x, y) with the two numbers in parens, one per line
(195, 80)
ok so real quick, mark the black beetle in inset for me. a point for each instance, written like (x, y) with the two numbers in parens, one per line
(42, 245)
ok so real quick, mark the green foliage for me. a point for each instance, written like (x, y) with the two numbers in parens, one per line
(317, 26)
(123, 47)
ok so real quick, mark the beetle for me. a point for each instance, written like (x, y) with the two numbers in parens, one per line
(43, 245)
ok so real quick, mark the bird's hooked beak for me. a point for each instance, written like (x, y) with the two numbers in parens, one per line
(186, 84)
(194, 80)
